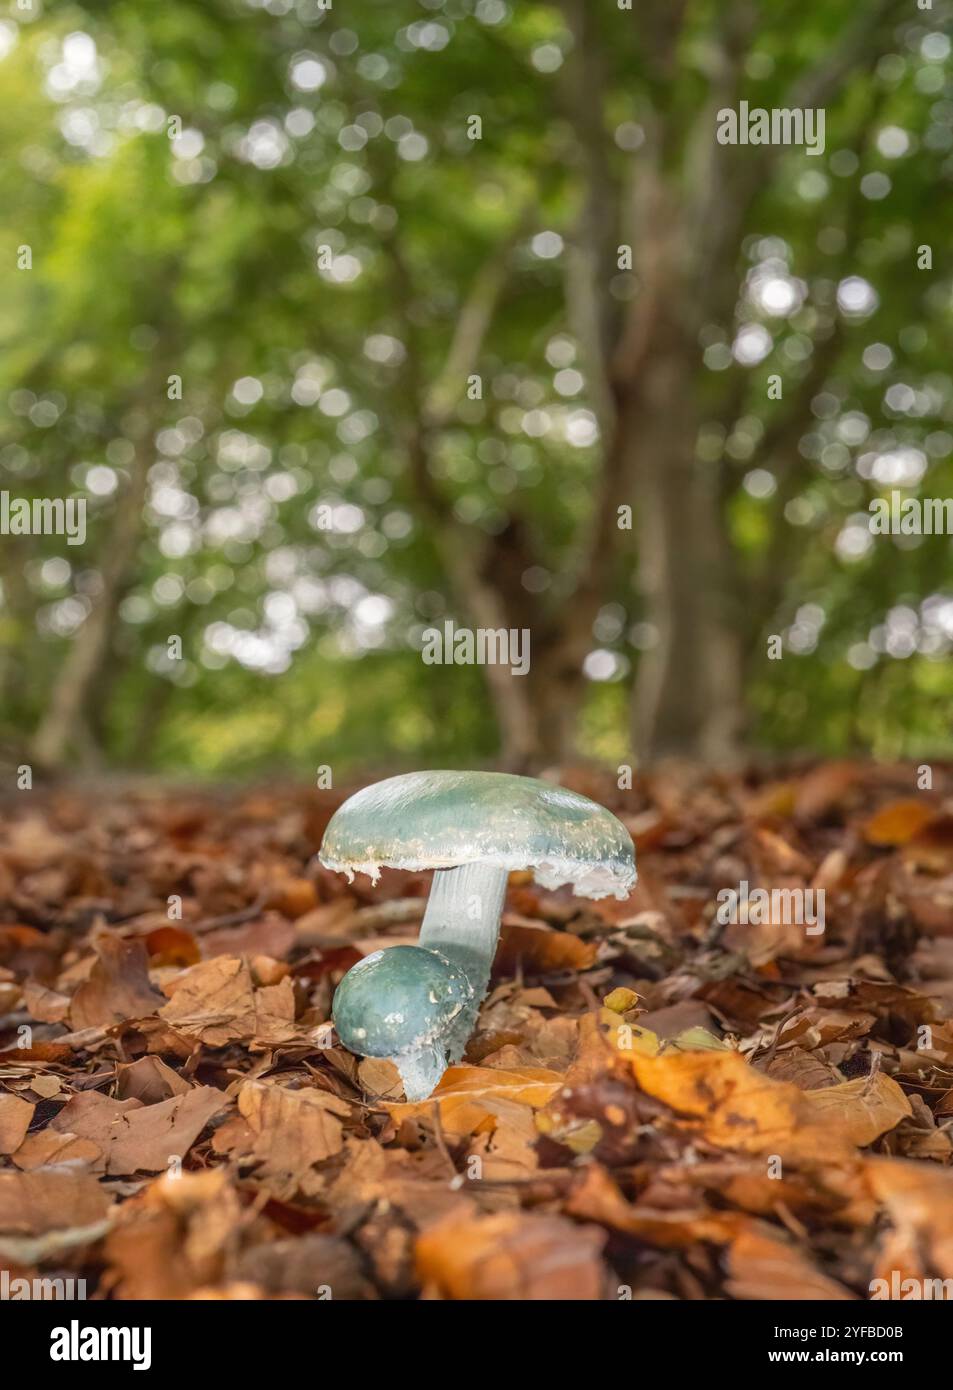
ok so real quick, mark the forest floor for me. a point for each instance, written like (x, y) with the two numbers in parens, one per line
(655, 1104)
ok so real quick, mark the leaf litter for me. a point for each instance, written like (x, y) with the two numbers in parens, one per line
(654, 1104)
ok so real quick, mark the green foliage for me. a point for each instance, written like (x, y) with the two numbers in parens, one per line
(201, 259)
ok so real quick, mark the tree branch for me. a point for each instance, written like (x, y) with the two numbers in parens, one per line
(473, 324)
(859, 43)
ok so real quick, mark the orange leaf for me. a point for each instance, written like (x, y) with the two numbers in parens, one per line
(763, 1266)
(514, 1256)
(897, 822)
(739, 1107)
(172, 946)
(467, 1095)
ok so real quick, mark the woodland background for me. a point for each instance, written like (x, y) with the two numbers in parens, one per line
(337, 379)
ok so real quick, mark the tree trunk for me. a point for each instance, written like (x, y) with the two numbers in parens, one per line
(63, 724)
(689, 693)
(538, 713)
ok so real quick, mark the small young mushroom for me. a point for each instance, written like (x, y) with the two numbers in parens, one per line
(418, 1005)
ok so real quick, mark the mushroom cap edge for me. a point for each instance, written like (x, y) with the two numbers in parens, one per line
(418, 821)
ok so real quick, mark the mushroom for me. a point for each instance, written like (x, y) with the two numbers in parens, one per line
(418, 1005)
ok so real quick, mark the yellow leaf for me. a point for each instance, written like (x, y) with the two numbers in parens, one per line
(620, 1000)
(697, 1039)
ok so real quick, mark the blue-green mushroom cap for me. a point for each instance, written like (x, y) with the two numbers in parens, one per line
(442, 820)
(399, 1001)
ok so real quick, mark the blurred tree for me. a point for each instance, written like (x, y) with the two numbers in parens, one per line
(449, 287)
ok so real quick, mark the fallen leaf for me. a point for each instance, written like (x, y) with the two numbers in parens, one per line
(535, 949)
(931, 848)
(737, 1106)
(824, 789)
(45, 1147)
(291, 1130)
(50, 1199)
(293, 897)
(118, 986)
(466, 1095)
(218, 1002)
(15, 1117)
(137, 1138)
(45, 1005)
(859, 1111)
(596, 1197)
(897, 822)
(919, 1202)
(149, 1080)
(173, 1238)
(171, 945)
(309, 1264)
(761, 1266)
(621, 1000)
(697, 1040)
(270, 935)
(512, 1256)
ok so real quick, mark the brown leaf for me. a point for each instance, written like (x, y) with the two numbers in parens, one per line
(380, 1078)
(293, 897)
(270, 935)
(306, 1265)
(737, 1106)
(45, 1005)
(596, 1197)
(932, 846)
(46, 1085)
(292, 1131)
(173, 1238)
(761, 1266)
(919, 1201)
(538, 950)
(50, 1199)
(118, 986)
(513, 1256)
(219, 1002)
(824, 789)
(137, 1138)
(45, 1147)
(805, 1070)
(149, 1080)
(859, 1111)
(416, 1185)
(39, 1052)
(15, 1117)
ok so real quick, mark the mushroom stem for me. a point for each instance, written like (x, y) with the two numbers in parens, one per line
(462, 922)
